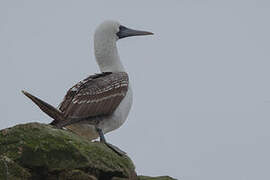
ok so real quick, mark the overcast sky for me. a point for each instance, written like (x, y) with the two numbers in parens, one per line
(201, 84)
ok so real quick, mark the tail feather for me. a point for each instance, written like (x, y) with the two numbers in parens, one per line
(47, 108)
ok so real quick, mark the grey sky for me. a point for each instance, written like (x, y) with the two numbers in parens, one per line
(201, 83)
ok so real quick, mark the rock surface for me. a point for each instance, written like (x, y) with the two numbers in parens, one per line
(39, 151)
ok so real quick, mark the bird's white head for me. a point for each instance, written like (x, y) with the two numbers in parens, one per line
(108, 29)
(105, 39)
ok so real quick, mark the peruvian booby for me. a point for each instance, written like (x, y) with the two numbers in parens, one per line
(103, 100)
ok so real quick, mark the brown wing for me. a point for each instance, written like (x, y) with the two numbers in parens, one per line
(96, 95)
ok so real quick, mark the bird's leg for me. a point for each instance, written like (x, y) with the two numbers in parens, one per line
(101, 135)
(112, 147)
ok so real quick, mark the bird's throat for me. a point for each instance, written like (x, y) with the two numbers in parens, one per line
(107, 56)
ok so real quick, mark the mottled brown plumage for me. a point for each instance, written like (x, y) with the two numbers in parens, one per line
(97, 95)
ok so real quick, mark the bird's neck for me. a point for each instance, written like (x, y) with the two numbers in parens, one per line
(107, 55)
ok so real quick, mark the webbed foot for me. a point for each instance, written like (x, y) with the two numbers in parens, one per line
(112, 147)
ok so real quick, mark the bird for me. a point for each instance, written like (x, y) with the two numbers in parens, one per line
(101, 102)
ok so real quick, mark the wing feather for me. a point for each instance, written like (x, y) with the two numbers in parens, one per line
(96, 95)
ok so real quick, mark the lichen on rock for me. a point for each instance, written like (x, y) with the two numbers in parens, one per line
(40, 151)
(11, 170)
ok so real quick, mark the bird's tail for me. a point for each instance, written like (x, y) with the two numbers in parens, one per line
(47, 108)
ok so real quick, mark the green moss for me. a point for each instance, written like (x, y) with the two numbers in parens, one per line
(75, 175)
(39, 151)
(10, 170)
(41, 146)
(118, 178)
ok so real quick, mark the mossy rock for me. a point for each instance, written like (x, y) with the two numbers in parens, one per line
(75, 175)
(11, 170)
(47, 151)
(39, 151)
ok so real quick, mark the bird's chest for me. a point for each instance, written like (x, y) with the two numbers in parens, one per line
(120, 114)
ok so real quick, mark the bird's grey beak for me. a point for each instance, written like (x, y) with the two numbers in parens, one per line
(126, 32)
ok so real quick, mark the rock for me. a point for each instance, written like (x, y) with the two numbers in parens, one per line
(39, 151)
(11, 170)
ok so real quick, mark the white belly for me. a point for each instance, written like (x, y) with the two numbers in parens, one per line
(109, 123)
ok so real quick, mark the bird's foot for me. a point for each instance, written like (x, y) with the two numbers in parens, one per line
(112, 147)
(115, 149)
